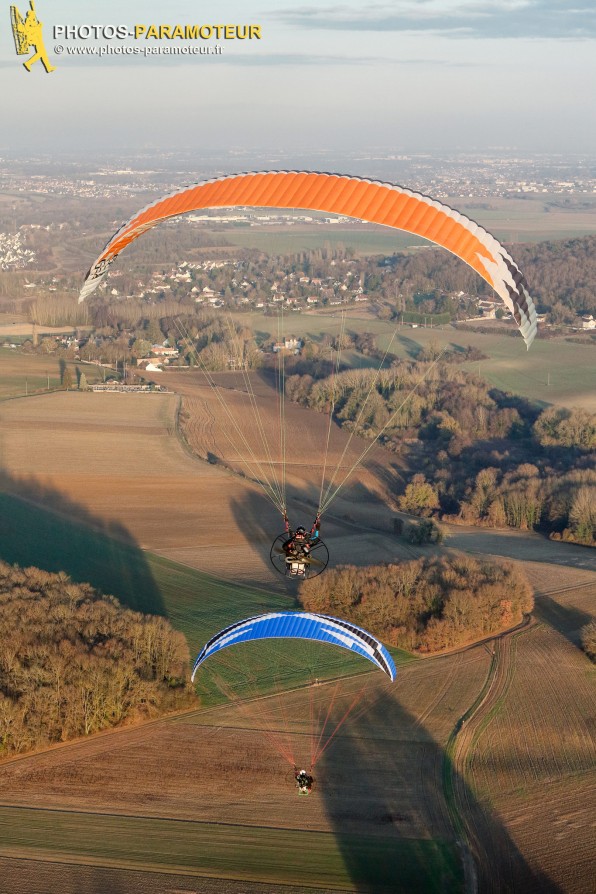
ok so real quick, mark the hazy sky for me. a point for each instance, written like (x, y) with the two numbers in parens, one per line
(409, 75)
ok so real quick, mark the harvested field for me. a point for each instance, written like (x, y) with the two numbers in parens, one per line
(569, 562)
(239, 422)
(554, 829)
(115, 459)
(115, 462)
(225, 805)
(568, 609)
(529, 737)
(535, 734)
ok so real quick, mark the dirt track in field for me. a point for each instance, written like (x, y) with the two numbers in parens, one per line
(526, 747)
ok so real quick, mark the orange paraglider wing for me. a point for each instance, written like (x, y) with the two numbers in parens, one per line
(368, 200)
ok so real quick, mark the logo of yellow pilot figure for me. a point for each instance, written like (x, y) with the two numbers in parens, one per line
(27, 35)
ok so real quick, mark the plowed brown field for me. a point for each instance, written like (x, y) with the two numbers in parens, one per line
(119, 457)
(528, 752)
(239, 423)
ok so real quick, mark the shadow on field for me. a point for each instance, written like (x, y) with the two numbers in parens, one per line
(41, 527)
(259, 523)
(412, 347)
(567, 619)
(382, 785)
(524, 546)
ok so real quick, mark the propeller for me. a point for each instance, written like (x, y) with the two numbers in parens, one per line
(315, 564)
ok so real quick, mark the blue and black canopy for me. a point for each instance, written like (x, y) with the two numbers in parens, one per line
(301, 625)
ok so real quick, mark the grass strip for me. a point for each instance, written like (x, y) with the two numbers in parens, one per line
(272, 855)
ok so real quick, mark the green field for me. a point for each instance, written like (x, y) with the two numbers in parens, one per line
(551, 372)
(533, 218)
(293, 239)
(273, 856)
(23, 374)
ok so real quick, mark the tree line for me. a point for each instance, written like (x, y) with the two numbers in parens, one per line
(426, 605)
(561, 275)
(484, 457)
(73, 662)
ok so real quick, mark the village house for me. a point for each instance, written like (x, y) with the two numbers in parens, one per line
(164, 353)
(290, 343)
(488, 309)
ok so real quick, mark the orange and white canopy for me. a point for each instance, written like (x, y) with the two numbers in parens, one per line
(368, 200)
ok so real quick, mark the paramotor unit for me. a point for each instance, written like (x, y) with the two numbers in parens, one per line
(298, 565)
(304, 781)
(299, 553)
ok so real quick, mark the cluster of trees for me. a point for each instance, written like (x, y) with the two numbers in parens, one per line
(449, 403)
(563, 504)
(220, 342)
(213, 342)
(562, 274)
(425, 605)
(73, 662)
(484, 457)
(555, 491)
(429, 282)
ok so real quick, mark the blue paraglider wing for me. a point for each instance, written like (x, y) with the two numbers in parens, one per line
(301, 625)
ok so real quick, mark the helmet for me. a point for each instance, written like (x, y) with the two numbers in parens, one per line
(301, 530)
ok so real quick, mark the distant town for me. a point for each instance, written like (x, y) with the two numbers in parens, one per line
(504, 173)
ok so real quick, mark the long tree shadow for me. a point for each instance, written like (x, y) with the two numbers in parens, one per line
(412, 347)
(387, 792)
(566, 619)
(41, 527)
